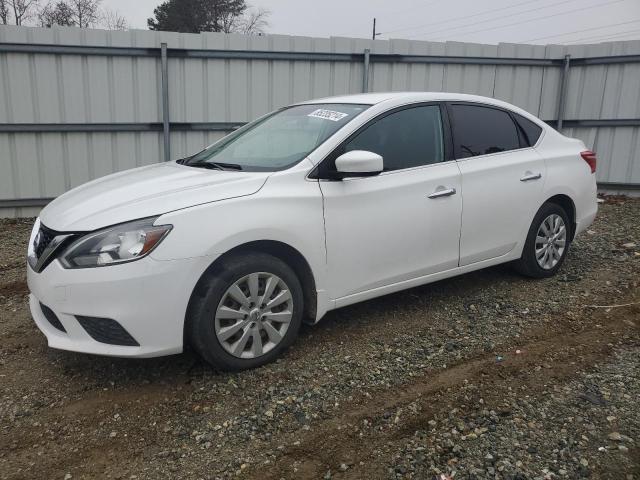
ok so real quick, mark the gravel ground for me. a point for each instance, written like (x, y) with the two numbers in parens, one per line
(488, 375)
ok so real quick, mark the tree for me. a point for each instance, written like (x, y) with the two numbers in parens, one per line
(254, 21)
(80, 13)
(194, 16)
(56, 14)
(85, 12)
(22, 9)
(112, 20)
(251, 22)
(4, 11)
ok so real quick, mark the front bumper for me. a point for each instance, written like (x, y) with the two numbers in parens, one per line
(147, 298)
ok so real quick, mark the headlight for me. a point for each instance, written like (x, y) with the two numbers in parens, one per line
(33, 241)
(119, 244)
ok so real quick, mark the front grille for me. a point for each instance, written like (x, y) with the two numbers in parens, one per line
(45, 235)
(106, 330)
(52, 318)
(46, 246)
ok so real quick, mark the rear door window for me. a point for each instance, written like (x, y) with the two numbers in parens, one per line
(480, 130)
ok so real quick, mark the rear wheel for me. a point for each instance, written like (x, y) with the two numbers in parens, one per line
(246, 313)
(547, 242)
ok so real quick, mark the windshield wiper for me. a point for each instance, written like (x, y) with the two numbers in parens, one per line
(217, 166)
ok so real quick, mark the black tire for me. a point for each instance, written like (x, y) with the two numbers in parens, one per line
(527, 264)
(200, 323)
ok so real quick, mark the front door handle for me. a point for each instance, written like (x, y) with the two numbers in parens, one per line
(443, 192)
(528, 176)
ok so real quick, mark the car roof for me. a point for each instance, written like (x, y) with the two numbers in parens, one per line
(407, 97)
(393, 99)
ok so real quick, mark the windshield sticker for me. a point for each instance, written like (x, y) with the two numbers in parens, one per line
(328, 115)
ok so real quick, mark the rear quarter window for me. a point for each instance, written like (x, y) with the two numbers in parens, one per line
(530, 130)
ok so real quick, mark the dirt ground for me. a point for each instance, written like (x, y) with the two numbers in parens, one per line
(488, 375)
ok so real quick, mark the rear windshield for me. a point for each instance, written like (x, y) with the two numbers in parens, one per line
(279, 140)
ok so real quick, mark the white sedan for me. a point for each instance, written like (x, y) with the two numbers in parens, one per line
(313, 207)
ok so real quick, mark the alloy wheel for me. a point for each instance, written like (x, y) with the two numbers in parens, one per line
(254, 314)
(551, 241)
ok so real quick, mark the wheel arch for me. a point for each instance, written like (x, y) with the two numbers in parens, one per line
(568, 206)
(283, 251)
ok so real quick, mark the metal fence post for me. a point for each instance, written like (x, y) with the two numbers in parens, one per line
(564, 80)
(365, 75)
(165, 102)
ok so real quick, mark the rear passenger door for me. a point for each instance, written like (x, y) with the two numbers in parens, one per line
(502, 179)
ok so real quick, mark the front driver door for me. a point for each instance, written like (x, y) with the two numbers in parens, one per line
(403, 223)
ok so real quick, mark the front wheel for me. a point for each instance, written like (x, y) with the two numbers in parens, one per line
(547, 242)
(245, 313)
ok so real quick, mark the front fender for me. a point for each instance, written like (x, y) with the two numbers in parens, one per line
(285, 211)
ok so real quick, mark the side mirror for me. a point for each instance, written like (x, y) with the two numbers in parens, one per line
(359, 163)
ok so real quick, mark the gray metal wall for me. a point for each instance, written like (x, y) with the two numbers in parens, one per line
(47, 98)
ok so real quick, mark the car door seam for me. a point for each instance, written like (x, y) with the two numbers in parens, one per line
(461, 212)
(324, 226)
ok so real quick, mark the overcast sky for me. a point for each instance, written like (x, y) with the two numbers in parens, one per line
(486, 21)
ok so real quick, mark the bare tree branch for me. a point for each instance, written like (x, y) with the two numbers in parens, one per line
(86, 13)
(253, 22)
(112, 20)
(229, 22)
(80, 13)
(58, 13)
(23, 10)
(4, 11)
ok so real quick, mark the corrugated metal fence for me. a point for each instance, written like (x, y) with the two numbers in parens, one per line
(79, 104)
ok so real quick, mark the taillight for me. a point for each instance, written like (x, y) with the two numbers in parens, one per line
(589, 157)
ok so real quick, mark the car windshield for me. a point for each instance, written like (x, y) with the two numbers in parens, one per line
(279, 140)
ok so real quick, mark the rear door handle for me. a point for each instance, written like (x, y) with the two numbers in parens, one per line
(528, 176)
(443, 192)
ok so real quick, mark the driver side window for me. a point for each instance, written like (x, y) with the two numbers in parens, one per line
(408, 138)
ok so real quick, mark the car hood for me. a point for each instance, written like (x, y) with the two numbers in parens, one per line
(145, 192)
